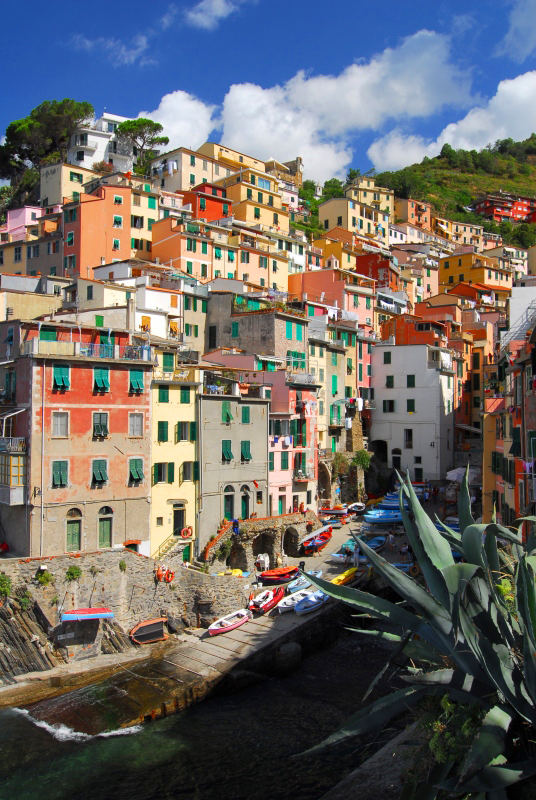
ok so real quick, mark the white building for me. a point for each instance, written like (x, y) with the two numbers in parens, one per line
(97, 142)
(412, 426)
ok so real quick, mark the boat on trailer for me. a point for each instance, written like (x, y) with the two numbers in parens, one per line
(229, 622)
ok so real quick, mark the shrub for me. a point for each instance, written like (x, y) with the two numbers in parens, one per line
(25, 600)
(73, 574)
(55, 600)
(44, 577)
(123, 565)
(224, 550)
(362, 459)
(5, 585)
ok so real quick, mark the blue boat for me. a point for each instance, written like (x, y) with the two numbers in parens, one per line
(376, 542)
(302, 582)
(311, 603)
(383, 516)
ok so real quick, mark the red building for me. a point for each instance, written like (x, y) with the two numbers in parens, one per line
(208, 202)
(75, 445)
(506, 206)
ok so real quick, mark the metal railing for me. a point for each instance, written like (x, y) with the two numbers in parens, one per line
(129, 352)
(12, 444)
(302, 475)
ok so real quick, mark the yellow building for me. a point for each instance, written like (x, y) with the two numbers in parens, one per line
(355, 216)
(459, 233)
(59, 182)
(476, 268)
(335, 248)
(232, 159)
(364, 190)
(256, 199)
(175, 463)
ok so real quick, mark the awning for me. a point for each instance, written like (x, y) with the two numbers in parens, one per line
(79, 614)
(457, 475)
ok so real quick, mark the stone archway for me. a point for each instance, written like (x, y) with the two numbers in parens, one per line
(291, 540)
(266, 542)
(238, 558)
(324, 483)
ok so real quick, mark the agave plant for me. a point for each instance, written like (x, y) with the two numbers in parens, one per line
(476, 645)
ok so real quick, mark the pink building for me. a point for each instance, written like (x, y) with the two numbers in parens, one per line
(18, 221)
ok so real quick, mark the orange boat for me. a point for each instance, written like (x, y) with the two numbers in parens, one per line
(279, 575)
(149, 630)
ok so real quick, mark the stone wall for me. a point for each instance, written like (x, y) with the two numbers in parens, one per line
(124, 582)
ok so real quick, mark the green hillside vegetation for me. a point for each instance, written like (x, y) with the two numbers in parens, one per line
(451, 182)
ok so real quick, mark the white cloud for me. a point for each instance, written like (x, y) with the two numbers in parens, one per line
(520, 39)
(120, 53)
(314, 116)
(167, 19)
(208, 14)
(511, 112)
(187, 120)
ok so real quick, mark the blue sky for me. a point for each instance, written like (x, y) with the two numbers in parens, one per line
(342, 84)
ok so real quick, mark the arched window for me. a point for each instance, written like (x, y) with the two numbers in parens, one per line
(105, 526)
(74, 530)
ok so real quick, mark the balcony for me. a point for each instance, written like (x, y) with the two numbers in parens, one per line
(304, 378)
(185, 375)
(336, 421)
(12, 444)
(130, 352)
(302, 475)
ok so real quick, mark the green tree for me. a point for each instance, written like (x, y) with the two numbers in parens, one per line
(353, 174)
(332, 188)
(143, 134)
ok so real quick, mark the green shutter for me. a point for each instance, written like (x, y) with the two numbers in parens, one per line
(196, 470)
(162, 431)
(168, 362)
(61, 376)
(193, 431)
(299, 332)
(101, 379)
(105, 532)
(334, 359)
(170, 472)
(226, 451)
(136, 469)
(271, 461)
(245, 414)
(284, 459)
(181, 474)
(136, 380)
(226, 415)
(334, 384)
(245, 451)
(204, 306)
(185, 394)
(163, 394)
(288, 330)
(515, 449)
(151, 202)
(48, 335)
(234, 330)
(100, 473)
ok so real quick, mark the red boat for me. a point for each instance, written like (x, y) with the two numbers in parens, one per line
(279, 575)
(266, 600)
(318, 543)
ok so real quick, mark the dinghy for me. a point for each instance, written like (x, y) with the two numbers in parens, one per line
(311, 603)
(303, 582)
(149, 630)
(229, 622)
(289, 602)
(345, 577)
(278, 575)
(317, 543)
(266, 600)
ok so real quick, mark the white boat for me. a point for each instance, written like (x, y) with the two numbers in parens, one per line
(303, 582)
(229, 622)
(311, 603)
(288, 603)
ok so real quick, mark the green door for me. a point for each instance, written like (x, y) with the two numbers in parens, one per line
(105, 532)
(245, 506)
(73, 535)
(186, 553)
(228, 506)
(281, 505)
(333, 444)
(106, 345)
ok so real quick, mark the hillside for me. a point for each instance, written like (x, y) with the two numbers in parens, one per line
(454, 179)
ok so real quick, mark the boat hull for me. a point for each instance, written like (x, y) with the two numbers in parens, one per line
(229, 622)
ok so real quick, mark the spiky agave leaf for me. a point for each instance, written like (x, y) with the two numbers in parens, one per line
(493, 777)
(464, 503)
(488, 743)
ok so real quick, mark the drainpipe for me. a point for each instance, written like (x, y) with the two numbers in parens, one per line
(42, 455)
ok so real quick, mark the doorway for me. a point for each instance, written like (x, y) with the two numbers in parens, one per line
(244, 502)
(179, 518)
(228, 502)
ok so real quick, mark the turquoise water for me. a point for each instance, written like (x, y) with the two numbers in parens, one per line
(243, 745)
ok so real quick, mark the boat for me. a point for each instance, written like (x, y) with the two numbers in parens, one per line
(278, 575)
(302, 582)
(317, 543)
(345, 577)
(335, 511)
(266, 600)
(149, 630)
(311, 603)
(229, 622)
(383, 516)
(80, 614)
(356, 508)
(376, 542)
(289, 602)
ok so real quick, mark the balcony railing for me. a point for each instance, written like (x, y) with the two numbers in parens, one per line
(12, 444)
(303, 474)
(185, 375)
(129, 352)
(301, 377)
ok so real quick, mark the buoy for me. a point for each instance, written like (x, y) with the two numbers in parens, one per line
(168, 577)
(159, 573)
(186, 532)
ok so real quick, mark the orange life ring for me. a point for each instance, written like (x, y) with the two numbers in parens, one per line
(168, 577)
(414, 570)
(159, 573)
(186, 532)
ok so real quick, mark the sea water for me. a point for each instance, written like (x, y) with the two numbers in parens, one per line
(242, 745)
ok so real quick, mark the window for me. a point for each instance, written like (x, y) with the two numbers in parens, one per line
(118, 221)
(271, 461)
(284, 459)
(408, 438)
(60, 424)
(118, 199)
(246, 415)
(185, 394)
(186, 471)
(410, 381)
(116, 244)
(202, 204)
(162, 434)
(226, 415)
(135, 470)
(234, 330)
(387, 357)
(244, 257)
(226, 452)
(299, 332)
(410, 406)
(245, 451)
(163, 394)
(217, 252)
(59, 474)
(99, 472)
(389, 381)
(388, 406)
(76, 177)
(191, 245)
(60, 380)
(192, 161)
(168, 362)
(100, 424)
(135, 425)
(182, 432)
(101, 379)
(163, 472)
(135, 381)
